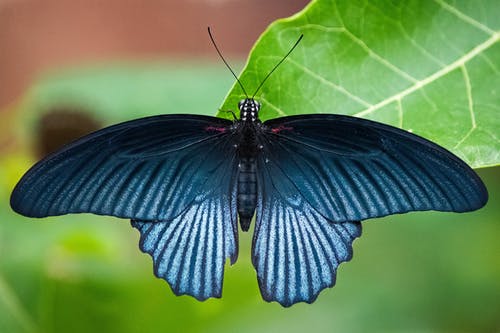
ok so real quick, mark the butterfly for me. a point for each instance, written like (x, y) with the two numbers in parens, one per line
(186, 180)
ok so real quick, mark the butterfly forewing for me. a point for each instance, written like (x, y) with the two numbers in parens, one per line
(351, 169)
(150, 169)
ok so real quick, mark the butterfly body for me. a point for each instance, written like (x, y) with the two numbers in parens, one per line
(248, 147)
(247, 191)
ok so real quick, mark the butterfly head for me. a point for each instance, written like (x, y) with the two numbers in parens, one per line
(249, 109)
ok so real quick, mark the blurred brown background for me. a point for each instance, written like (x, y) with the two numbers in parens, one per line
(36, 36)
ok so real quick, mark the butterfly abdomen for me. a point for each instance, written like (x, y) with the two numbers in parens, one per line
(247, 191)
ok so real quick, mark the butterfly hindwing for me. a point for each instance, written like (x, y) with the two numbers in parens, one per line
(148, 169)
(190, 251)
(296, 251)
(352, 169)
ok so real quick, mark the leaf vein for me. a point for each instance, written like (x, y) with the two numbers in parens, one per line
(331, 84)
(446, 6)
(493, 136)
(378, 57)
(469, 132)
(366, 48)
(469, 95)
(419, 47)
(274, 107)
(490, 63)
(433, 77)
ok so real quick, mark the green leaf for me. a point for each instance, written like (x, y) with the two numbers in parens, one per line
(431, 67)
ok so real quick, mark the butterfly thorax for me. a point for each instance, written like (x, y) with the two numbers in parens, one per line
(248, 149)
(247, 127)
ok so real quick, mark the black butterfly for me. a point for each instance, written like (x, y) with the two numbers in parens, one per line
(185, 180)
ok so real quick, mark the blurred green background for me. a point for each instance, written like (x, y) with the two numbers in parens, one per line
(419, 272)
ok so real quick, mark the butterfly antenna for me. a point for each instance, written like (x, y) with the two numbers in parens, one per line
(277, 65)
(225, 62)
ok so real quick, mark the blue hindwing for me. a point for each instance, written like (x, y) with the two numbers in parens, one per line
(296, 251)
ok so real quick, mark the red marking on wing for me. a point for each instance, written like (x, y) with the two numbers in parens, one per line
(216, 129)
(276, 130)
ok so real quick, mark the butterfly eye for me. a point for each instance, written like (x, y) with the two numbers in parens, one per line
(241, 103)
